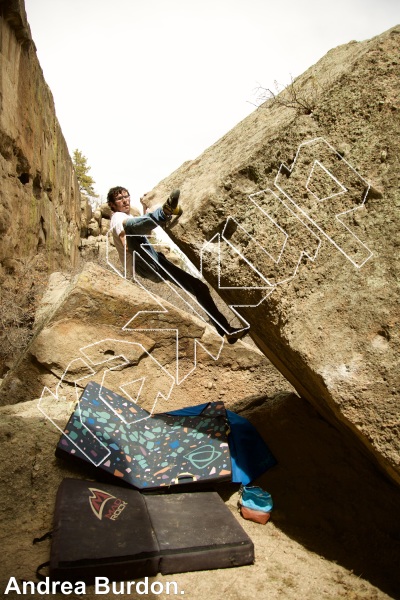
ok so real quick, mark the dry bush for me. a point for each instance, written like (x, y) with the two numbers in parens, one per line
(21, 285)
(301, 98)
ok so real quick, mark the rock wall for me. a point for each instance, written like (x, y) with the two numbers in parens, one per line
(39, 193)
(86, 325)
(294, 216)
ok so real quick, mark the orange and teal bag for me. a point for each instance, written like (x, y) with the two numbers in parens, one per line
(255, 504)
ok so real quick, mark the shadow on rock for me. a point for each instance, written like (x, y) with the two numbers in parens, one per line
(327, 494)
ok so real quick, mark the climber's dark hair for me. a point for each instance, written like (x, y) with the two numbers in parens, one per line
(113, 193)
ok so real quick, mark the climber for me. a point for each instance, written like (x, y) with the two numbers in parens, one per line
(131, 231)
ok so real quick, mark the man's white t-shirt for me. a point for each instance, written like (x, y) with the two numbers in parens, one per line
(124, 255)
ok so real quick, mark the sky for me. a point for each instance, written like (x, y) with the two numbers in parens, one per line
(141, 86)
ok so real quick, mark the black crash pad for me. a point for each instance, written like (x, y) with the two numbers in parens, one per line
(102, 530)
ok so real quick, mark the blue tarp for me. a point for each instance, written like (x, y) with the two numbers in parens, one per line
(250, 455)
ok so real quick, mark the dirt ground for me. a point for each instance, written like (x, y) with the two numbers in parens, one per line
(334, 530)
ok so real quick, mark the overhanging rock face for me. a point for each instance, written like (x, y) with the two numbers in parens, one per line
(294, 218)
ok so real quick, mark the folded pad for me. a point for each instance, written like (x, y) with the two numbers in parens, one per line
(147, 451)
(102, 530)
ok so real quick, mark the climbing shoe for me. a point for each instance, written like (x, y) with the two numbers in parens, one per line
(233, 335)
(171, 206)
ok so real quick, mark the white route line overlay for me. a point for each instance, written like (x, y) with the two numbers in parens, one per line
(269, 287)
(176, 289)
(343, 190)
(46, 391)
(164, 310)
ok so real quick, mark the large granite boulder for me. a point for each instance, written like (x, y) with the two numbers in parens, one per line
(294, 217)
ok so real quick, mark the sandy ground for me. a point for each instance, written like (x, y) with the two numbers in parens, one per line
(334, 530)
